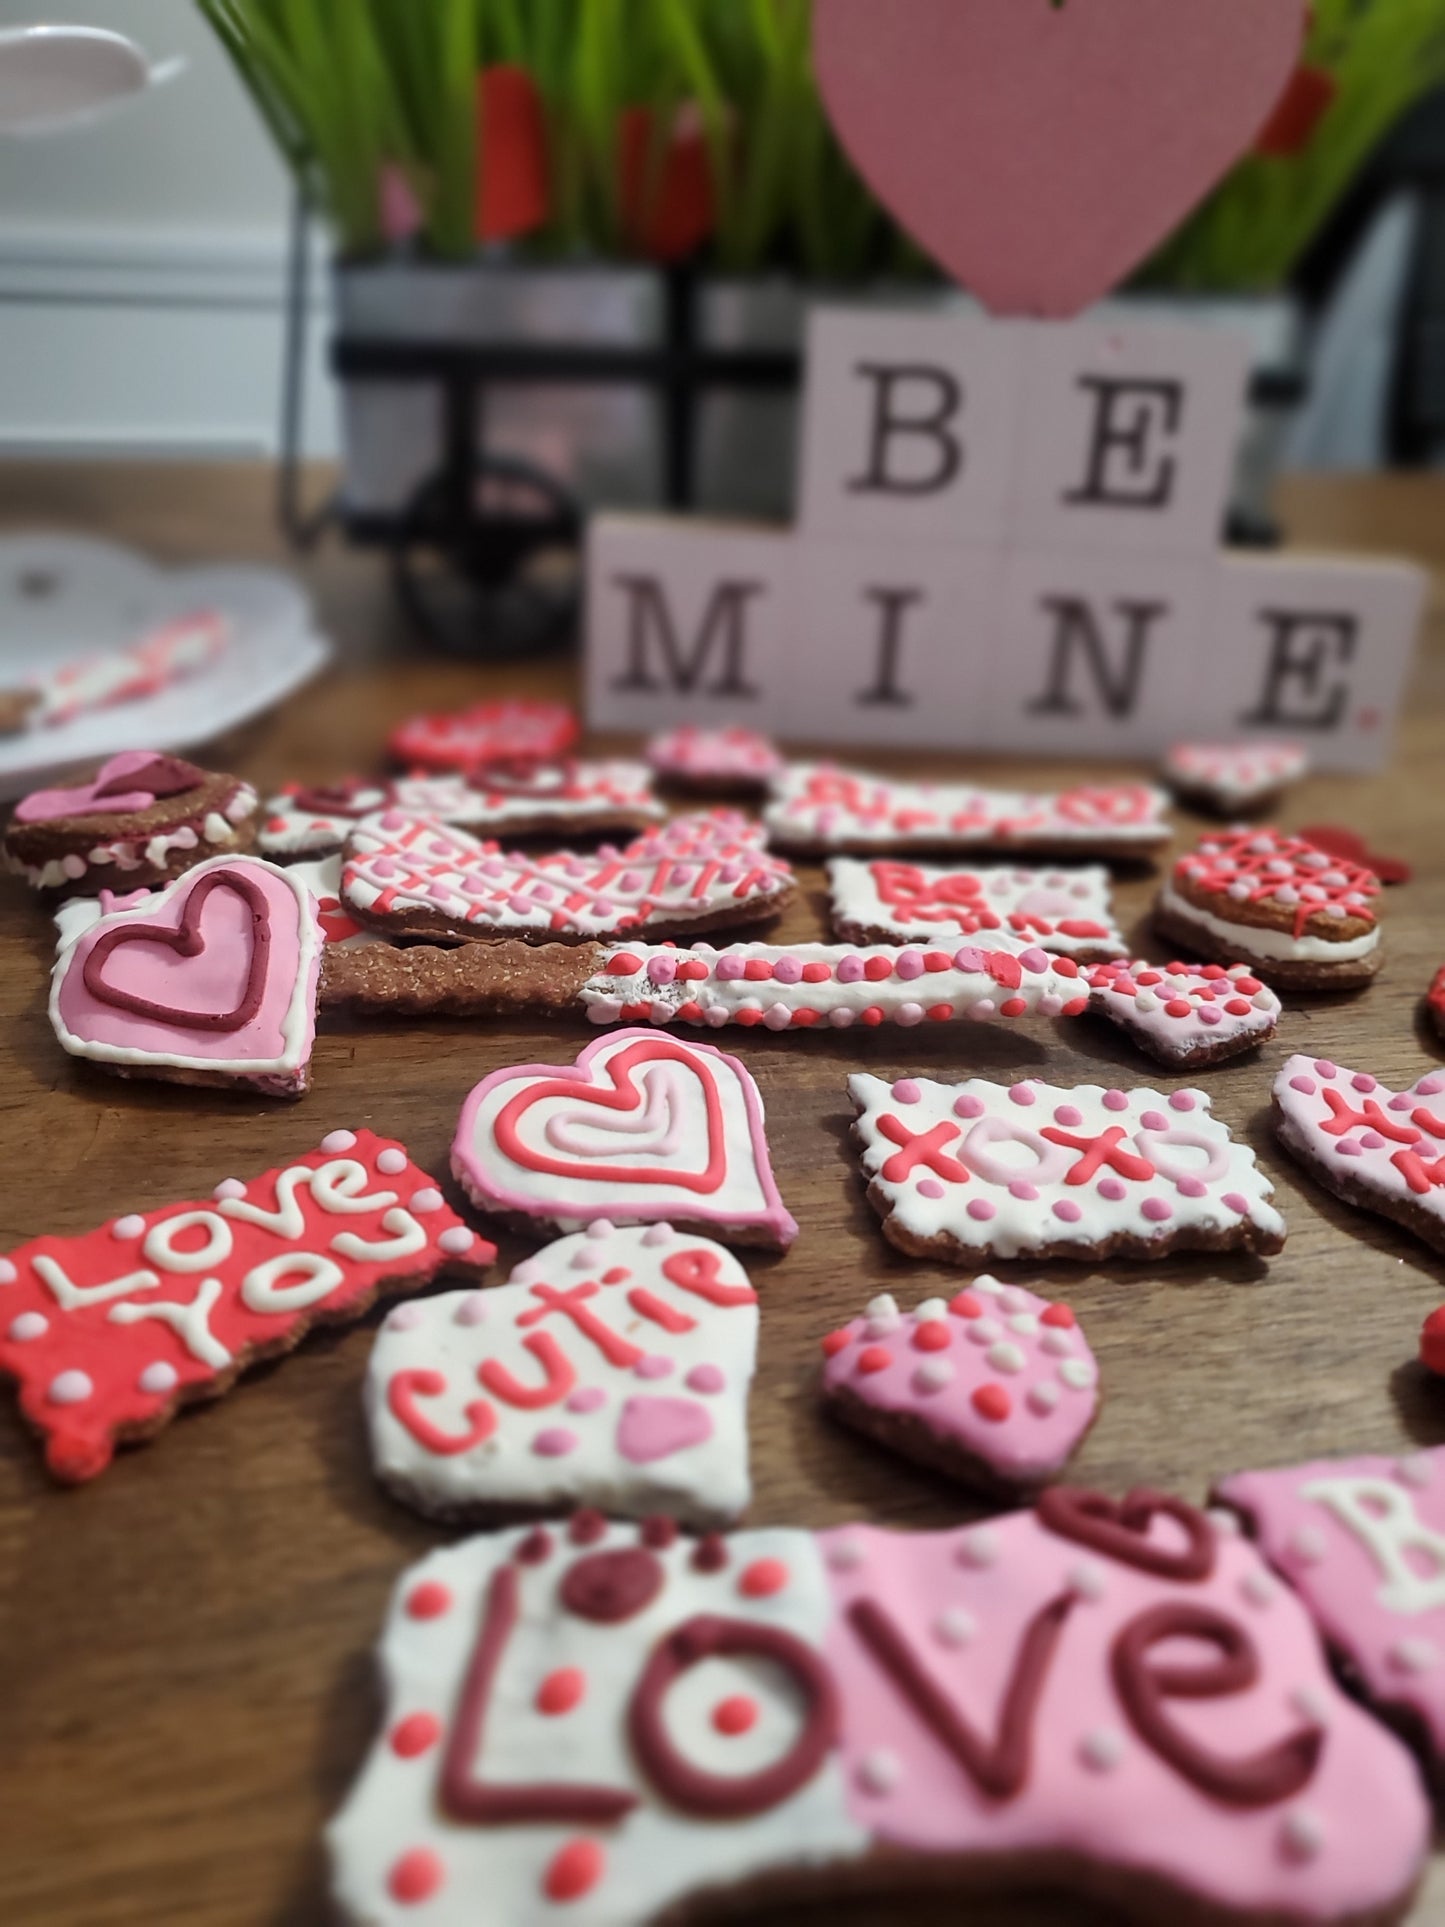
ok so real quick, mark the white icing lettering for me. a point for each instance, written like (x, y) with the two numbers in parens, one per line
(159, 1246)
(72, 1297)
(286, 1220)
(319, 1278)
(1382, 1517)
(408, 1240)
(191, 1323)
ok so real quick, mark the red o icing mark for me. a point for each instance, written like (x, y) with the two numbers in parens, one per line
(429, 1600)
(415, 1735)
(731, 1796)
(1432, 1341)
(163, 776)
(1119, 1530)
(999, 1767)
(1344, 1118)
(762, 1578)
(648, 1305)
(1421, 1174)
(572, 1303)
(608, 1587)
(920, 1147)
(586, 1527)
(1097, 1151)
(559, 1375)
(697, 1271)
(1145, 1687)
(416, 1876)
(401, 1395)
(561, 1690)
(186, 940)
(736, 1714)
(574, 1870)
(462, 1794)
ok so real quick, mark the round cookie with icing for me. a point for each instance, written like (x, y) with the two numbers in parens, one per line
(513, 727)
(141, 819)
(611, 1370)
(1228, 778)
(1185, 1015)
(1297, 916)
(722, 762)
(995, 1387)
(315, 819)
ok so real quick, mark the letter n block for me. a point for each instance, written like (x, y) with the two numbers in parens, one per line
(687, 621)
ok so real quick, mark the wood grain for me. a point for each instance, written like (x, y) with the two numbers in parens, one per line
(185, 1681)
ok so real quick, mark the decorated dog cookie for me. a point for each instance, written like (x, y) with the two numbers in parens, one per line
(1230, 777)
(714, 761)
(1383, 1150)
(141, 819)
(1065, 911)
(315, 819)
(513, 728)
(107, 1334)
(168, 654)
(819, 809)
(642, 1127)
(1028, 1170)
(600, 1723)
(536, 798)
(211, 980)
(1294, 914)
(1435, 1001)
(995, 1386)
(1186, 1015)
(611, 1370)
(411, 876)
(1362, 1541)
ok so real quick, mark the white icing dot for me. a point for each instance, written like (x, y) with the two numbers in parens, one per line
(881, 1327)
(391, 1161)
(983, 1331)
(1025, 1323)
(1417, 1470)
(229, 1188)
(600, 1228)
(954, 1626)
(130, 1226)
(1302, 1833)
(1055, 1342)
(931, 1308)
(472, 1309)
(339, 1141)
(1012, 1299)
(933, 1375)
(845, 1555)
(158, 1379)
(1309, 1544)
(879, 1771)
(1077, 1374)
(977, 1548)
(29, 1325)
(1043, 1398)
(8, 1273)
(1310, 1702)
(427, 1199)
(69, 1388)
(885, 1305)
(1102, 1748)
(1415, 1655)
(587, 1257)
(1225, 1522)
(660, 1233)
(1086, 1579)
(1257, 1587)
(989, 1286)
(1005, 1358)
(405, 1318)
(455, 1240)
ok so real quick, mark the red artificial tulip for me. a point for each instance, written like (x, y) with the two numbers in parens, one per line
(511, 154)
(1298, 111)
(667, 201)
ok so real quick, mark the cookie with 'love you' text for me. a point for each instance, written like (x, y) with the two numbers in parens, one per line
(642, 1127)
(611, 1370)
(615, 1724)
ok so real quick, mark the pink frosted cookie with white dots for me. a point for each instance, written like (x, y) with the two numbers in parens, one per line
(733, 761)
(109, 1333)
(995, 1386)
(1185, 1015)
(1380, 1149)
(1231, 777)
(1362, 1541)
(611, 1370)
(974, 1171)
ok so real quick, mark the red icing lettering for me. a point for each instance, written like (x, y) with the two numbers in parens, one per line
(406, 1388)
(697, 1271)
(572, 1303)
(559, 1375)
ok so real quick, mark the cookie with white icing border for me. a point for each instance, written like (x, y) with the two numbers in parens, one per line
(1228, 778)
(141, 819)
(537, 798)
(611, 1370)
(313, 820)
(1380, 1149)
(1185, 1015)
(1066, 912)
(514, 727)
(995, 1387)
(109, 1333)
(974, 1171)
(1297, 916)
(714, 762)
(642, 1127)
(615, 1724)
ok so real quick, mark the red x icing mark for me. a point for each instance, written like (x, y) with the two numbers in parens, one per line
(1369, 1117)
(1097, 1151)
(1421, 1174)
(920, 1147)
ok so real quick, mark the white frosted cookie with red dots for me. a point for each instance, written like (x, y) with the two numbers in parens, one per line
(1066, 912)
(1380, 1149)
(535, 798)
(315, 819)
(1186, 1015)
(1228, 777)
(1295, 915)
(611, 1370)
(996, 1386)
(976, 1170)
(714, 761)
(107, 1334)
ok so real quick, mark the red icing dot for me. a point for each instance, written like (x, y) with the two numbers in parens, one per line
(1211, 971)
(1076, 1006)
(711, 1553)
(416, 1876)
(834, 1343)
(939, 1013)
(761, 1578)
(658, 1530)
(586, 1527)
(1060, 1315)
(993, 1402)
(735, 1714)
(624, 964)
(874, 1358)
(562, 1690)
(691, 970)
(745, 1017)
(872, 1015)
(805, 1015)
(429, 1600)
(536, 1547)
(965, 1305)
(757, 969)
(1250, 986)
(1177, 1007)
(815, 973)
(415, 1734)
(1012, 1007)
(1147, 977)
(1432, 1341)
(1238, 1007)
(1065, 967)
(618, 1275)
(875, 968)
(937, 960)
(574, 1870)
(931, 1336)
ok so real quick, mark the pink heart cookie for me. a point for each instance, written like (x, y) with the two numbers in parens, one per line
(642, 1127)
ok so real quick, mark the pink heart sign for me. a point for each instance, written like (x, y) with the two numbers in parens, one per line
(1039, 149)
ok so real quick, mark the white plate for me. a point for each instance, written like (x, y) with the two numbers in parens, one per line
(65, 596)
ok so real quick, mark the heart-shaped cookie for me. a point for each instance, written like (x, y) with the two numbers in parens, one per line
(211, 980)
(643, 1127)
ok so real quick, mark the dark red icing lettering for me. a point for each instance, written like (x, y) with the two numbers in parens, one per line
(186, 940)
(526, 776)
(338, 799)
(1120, 1531)
(608, 1587)
(162, 776)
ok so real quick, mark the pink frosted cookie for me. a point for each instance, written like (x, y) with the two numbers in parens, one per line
(107, 1334)
(1064, 911)
(606, 1723)
(820, 809)
(714, 761)
(973, 1171)
(211, 980)
(315, 819)
(1383, 1150)
(611, 1370)
(1362, 1541)
(536, 798)
(411, 876)
(1294, 914)
(1186, 1015)
(1230, 777)
(995, 1387)
(642, 1127)
(516, 727)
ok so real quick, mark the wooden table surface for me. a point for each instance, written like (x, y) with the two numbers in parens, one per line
(185, 1676)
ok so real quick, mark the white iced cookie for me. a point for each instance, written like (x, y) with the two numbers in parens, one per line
(1066, 912)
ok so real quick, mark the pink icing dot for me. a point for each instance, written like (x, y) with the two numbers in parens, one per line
(1154, 1121)
(555, 1442)
(472, 1310)
(1111, 1188)
(969, 958)
(229, 1188)
(587, 1398)
(906, 1091)
(787, 970)
(1428, 1086)
(1325, 1068)
(705, 1378)
(981, 1209)
(850, 969)
(1181, 1100)
(1347, 1148)
(1209, 1014)
(1191, 1187)
(427, 1199)
(1363, 1081)
(909, 965)
(661, 970)
(1158, 1209)
(730, 968)
(158, 1379)
(27, 1326)
(404, 1319)
(1034, 959)
(1115, 1101)
(1022, 1094)
(131, 1226)
(1068, 1115)
(1235, 1202)
(929, 1188)
(1372, 1140)
(1305, 1085)
(8, 1273)
(654, 1366)
(1066, 1209)
(967, 1106)
(70, 1388)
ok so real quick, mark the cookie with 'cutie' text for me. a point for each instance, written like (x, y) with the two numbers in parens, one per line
(976, 1170)
(109, 1333)
(611, 1370)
